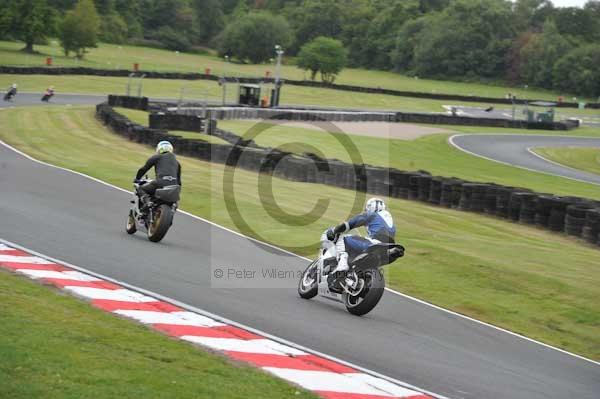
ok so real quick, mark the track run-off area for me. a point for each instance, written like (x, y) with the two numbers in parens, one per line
(71, 217)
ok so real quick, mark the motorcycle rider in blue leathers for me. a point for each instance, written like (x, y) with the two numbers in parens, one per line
(380, 229)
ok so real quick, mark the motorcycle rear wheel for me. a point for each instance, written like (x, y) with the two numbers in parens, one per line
(307, 286)
(369, 296)
(163, 218)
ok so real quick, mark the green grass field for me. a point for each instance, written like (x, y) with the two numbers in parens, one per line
(109, 56)
(587, 159)
(531, 281)
(55, 346)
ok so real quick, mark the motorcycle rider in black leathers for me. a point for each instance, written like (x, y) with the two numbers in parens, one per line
(166, 167)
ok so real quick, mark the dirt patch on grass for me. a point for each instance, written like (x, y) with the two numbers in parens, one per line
(388, 130)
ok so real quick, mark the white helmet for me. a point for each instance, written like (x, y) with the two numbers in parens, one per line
(164, 146)
(14, 85)
(375, 205)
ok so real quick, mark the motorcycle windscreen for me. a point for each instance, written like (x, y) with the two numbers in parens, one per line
(168, 193)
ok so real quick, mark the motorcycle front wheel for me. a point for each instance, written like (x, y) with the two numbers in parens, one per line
(307, 286)
(368, 297)
(162, 220)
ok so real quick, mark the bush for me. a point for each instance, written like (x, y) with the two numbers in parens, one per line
(578, 71)
(325, 55)
(253, 37)
(172, 39)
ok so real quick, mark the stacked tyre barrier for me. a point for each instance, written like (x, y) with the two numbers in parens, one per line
(591, 228)
(140, 103)
(161, 120)
(578, 217)
(575, 218)
(304, 114)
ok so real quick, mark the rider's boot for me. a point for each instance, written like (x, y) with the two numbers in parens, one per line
(337, 275)
(340, 247)
(144, 202)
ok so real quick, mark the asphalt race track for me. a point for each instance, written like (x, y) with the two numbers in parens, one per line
(514, 150)
(81, 221)
(59, 99)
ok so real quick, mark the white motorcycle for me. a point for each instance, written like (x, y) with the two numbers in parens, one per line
(361, 287)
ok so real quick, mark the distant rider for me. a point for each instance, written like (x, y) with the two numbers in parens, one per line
(49, 93)
(166, 168)
(380, 229)
(11, 92)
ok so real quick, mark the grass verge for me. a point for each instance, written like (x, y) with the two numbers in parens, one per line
(531, 281)
(55, 346)
(582, 158)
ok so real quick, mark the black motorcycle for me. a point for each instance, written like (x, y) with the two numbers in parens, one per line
(48, 95)
(155, 216)
(10, 94)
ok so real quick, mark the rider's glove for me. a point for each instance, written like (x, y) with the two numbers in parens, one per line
(330, 234)
(136, 181)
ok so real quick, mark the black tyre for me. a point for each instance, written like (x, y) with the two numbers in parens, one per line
(130, 227)
(369, 296)
(163, 218)
(307, 286)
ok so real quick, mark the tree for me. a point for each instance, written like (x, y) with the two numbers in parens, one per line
(578, 72)
(254, 36)
(579, 23)
(317, 18)
(211, 19)
(469, 38)
(531, 14)
(540, 54)
(79, 28)
(403, 55)
(30, 21)
(324, 55)
(113, 29)
(171, 22)
(382, 33)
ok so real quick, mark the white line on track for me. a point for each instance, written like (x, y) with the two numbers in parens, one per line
(183, 305)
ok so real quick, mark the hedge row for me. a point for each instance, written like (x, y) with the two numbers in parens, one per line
(198, 76)
(575, 216)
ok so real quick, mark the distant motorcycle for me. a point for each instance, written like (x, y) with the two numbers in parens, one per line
(48, 94)
(156, 216)
(361, 287)
(10, 94)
